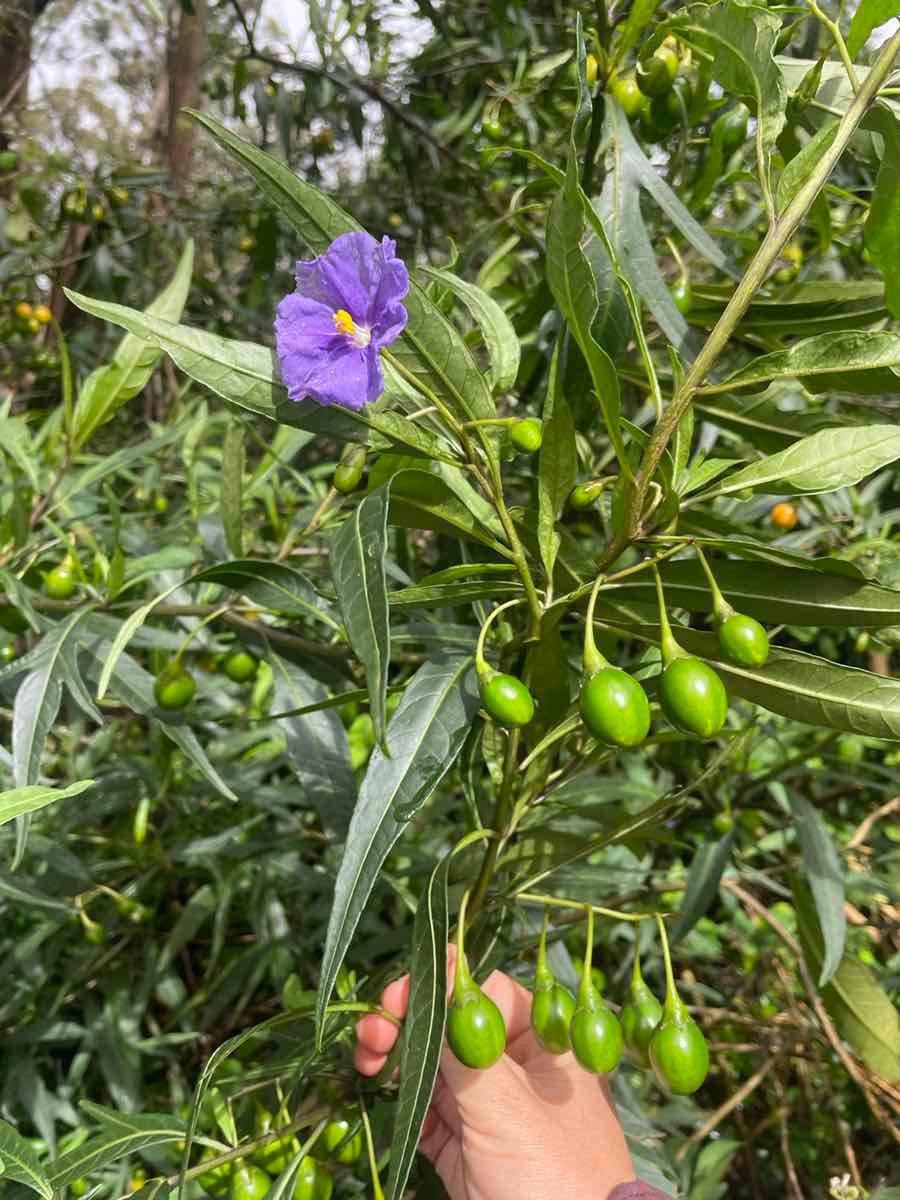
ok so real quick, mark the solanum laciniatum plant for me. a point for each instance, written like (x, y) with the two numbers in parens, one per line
(534, 596)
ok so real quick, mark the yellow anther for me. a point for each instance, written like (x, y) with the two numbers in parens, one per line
(344, 322)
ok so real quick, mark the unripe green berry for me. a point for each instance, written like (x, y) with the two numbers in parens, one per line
(508, 701)
(527, 435)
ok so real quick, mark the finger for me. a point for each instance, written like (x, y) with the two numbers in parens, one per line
(367, 1062)
(395, 997)
(375, 1033)
(435, 1136)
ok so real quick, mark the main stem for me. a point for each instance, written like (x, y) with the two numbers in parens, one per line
(780, 232)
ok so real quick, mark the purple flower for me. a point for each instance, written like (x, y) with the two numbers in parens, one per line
(348, 304)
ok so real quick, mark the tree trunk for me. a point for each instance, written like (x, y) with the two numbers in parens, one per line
(187, 30)
(16, 20)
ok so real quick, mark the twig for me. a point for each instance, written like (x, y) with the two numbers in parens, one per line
(852, 1069)
(792, 1177)
(729, 1106)
(864, 828)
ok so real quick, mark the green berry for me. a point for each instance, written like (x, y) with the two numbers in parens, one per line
(527, 435)
(7, 652)
(693, 696)
(312, 1182)
(349, 470)
(596, 1037)
(628, 95)
(552, 1010)
(174, 687)
(584, 495)
(744, 641)
(640, 1016)
(249, 1183)
(683, 295)
(274, 1156)
(334, 1133)
(217, 1180)
(656, 74)
(734, 127)
(678, 1052)
(851, 749)
(475, 1029)
(240, 666)
(615, 708)
(723, 822)
(508, 701)
(60, 583)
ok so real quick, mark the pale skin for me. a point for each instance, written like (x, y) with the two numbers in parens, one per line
(534, 1125)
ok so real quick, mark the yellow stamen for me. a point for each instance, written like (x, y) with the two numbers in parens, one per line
(344, 322)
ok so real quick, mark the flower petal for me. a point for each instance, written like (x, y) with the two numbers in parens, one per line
(301, 323)
(347, 375)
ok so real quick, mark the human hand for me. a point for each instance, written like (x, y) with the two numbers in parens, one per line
(535, 1126)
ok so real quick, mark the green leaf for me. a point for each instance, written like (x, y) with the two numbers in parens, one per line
(426, 1017)
(882, 229)
(18, 801)
(824, 462)
(810, 307)
(108, 388)
(869, 15)
(425, 736)
(357, 568)
(317, 747)
(430, 347)
(21, 1164)
(741, 40)
(37, 702)
(851, 361)
(449, 595)
(499, 335)
(703, 881)
(825, 878)
(627, 36)
(859, 1007)
(574, 288)
(772, 593)
(558, 464)
(232, 487)
(113, 1144)
(760, 420)
(270, 585)
(801, 166)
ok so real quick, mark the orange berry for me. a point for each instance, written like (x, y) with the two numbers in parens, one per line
(784, 515)
(42, 313)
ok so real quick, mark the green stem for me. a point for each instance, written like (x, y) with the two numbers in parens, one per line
(377, 1193)
(501, 819)
(482, 421)
(780, 232)
(592, 660)
(839, 43)
(722, 610)
(673, 1000)
(485, 671)
(668, 645)
(557, 902)
(217, 612)
(586, 987)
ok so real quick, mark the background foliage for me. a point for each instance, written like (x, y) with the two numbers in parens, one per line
(182, 897)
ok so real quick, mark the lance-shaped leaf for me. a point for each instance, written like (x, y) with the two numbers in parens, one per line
(860, 1008)
(500, 338)
(430, 347)
(824, 462)
(851, 361)
(246, 376)
(826, 881)
(703, 881)
(773, 593)
(869, 15)
(109, 387)
(21, 1164)
(557, 465)
(18, 801)
(357, 568)
(425, 736)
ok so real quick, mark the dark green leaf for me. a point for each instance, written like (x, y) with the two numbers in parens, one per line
(557, 466)
(233, 488)
(861, 1010)
(357, 568)
(425, 736)
(882, 228)
(703, 880)
(851, 361)
(499, 335)
(21, 1164)
(869, 15)
(825, 879)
